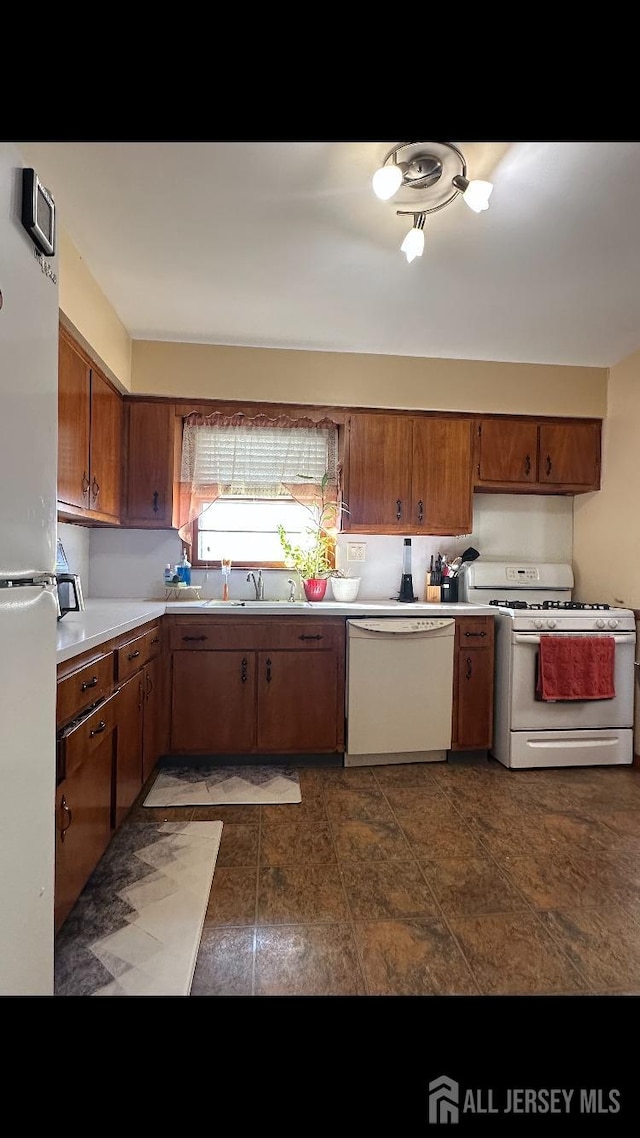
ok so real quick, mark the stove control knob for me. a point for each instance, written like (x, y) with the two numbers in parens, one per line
(551, 623)
(612, 623)
(600, 623)
(538, 623)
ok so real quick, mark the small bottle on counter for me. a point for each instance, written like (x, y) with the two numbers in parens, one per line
(184, 569)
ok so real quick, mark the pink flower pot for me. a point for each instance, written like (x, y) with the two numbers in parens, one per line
(315, 588)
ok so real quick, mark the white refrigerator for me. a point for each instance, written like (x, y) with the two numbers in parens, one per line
(28, 612)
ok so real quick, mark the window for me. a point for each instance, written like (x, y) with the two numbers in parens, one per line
(241, 477)
(243, 530)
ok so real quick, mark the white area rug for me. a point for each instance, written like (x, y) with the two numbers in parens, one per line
(224, 786)
(135, 929)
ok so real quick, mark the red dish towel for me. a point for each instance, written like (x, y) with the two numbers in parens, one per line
(576, 667)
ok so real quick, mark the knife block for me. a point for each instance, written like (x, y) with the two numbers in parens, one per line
(432, 594)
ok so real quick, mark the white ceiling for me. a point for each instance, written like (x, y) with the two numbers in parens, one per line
(283, 244)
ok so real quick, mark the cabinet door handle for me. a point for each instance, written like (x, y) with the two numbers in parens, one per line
(85, 483)
(95, 488)
(134, 655)
(398, 508)
(155, 501)
(194, 638)
(420, 510)
(99, 729)
(63, 806)
(475, 634)
(316, 637)
(268, 671)
(89, 683)
(243, 673)
(548, 464)
(468, 671)
(149, 686)
(527, 464)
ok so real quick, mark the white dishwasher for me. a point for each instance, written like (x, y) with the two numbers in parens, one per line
(399, 690)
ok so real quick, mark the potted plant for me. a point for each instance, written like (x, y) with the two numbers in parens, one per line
(343, 586)
(313, 559)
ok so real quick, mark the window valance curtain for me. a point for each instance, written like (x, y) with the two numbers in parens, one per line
(254, 456)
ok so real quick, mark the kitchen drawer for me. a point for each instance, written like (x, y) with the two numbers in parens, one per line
(82, 688)
(253, 633)
(474, 631)
(80, 739)
(135, 653)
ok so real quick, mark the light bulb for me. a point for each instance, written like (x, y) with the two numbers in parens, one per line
(477, 195)
(413, 244)
(386, 181)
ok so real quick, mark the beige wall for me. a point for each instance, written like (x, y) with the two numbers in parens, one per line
(202, 371)
(205, 371)
(606, 524)
(86, 311)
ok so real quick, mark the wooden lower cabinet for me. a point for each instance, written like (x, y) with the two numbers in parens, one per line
(129, 753)
(83, 824)
(472, 724)
(257, 686)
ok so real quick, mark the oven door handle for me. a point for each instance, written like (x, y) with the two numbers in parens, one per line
(619, 637)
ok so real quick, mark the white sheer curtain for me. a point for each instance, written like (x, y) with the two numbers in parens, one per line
(254, 457)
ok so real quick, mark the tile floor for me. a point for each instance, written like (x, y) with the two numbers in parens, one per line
(459, 878)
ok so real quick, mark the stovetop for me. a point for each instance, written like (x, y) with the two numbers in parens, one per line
(562, 605)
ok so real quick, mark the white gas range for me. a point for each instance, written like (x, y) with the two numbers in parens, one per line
(534, 601)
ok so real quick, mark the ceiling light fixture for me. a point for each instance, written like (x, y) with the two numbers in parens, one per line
(425, 177)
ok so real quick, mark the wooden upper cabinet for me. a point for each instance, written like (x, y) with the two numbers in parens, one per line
(89, 437)
(539, 457)
(569, 454)
(74, 386)
(105, 448)
(507, 451)
(149, 464)
(409, 475)
(441, 484)
(378, 485)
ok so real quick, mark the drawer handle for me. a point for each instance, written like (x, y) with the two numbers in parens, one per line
(194, 638)
(156, 640)
(243, 673)
(99, 729)
(134, 655)
(475, 634)
(64, 829)
(268, 671)
(468, 671)
(316, 637)
(92, 683)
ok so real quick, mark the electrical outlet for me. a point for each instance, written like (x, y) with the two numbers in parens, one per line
(356, 550)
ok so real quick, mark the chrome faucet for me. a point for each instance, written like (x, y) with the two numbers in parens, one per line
(257, 584)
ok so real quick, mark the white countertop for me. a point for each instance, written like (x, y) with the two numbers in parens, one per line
(104, 619)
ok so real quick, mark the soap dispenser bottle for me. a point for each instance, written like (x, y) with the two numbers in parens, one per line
(185, 569)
